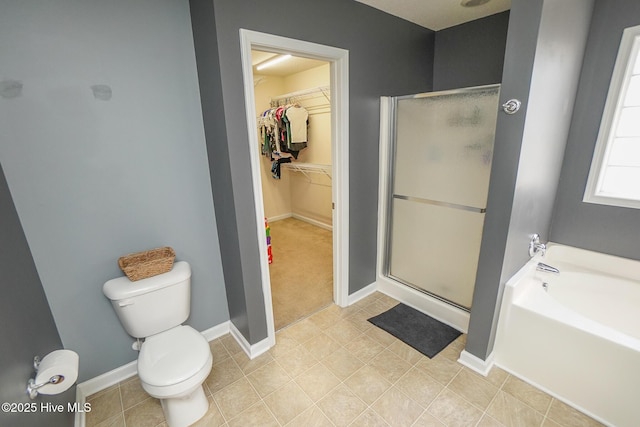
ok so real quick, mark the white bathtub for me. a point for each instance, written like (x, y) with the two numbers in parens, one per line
(576, 334)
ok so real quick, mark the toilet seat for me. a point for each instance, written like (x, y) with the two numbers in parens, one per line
(172, 357)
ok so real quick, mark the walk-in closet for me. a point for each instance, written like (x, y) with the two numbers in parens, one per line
(293, 113)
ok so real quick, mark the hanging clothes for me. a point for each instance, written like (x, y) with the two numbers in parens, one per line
(268, 133)
(275, 167)
(283, 133)
(298, 119)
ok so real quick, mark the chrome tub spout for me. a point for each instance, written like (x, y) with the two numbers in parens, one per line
(547, 268)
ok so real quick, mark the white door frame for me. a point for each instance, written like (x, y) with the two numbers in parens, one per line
(339, 68)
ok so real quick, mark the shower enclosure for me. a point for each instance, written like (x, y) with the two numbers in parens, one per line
(441, 147)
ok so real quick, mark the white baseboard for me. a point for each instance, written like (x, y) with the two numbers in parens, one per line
(475, 363)
(252, 351)
(108, 379)
(99, 383)
(313, 221)
(80, 419)
(362, 293)
(216, 331)
(301, 218)
(439, 310)
(279, 217)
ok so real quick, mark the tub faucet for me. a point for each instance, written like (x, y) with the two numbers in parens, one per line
(547, 268)
(536, 246)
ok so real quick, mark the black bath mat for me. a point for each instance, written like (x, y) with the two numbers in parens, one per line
(422, 332)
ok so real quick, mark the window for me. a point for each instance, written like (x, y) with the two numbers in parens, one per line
(614, 178)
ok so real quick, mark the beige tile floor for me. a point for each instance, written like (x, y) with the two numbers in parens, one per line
(335, 369)
(302, 270)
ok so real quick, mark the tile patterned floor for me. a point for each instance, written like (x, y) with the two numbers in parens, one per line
(335, 369)
(308, 286)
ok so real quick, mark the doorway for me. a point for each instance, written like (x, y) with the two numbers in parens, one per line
(337, 60)
(293, 111)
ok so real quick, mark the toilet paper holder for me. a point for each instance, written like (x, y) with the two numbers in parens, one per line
(32, 387)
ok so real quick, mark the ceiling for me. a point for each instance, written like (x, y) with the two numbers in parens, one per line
(437, 14)
(432, 14)
(293, 65)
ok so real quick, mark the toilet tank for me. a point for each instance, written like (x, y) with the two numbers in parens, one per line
(153, 305)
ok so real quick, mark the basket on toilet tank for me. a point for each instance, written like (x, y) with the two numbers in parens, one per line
(152, 305)
(141, 265)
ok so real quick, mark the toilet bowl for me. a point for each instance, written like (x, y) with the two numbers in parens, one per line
(174, 359)
(172, 366)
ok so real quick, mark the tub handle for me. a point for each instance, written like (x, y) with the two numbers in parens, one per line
(535, 246)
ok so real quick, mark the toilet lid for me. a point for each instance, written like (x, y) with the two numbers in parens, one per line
(172, 356)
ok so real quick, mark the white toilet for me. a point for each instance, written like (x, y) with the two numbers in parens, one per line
(174, 359)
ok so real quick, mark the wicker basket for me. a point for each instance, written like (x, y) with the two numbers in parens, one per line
(141, 265)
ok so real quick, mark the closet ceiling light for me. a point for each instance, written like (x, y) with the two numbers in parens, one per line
(271, 62)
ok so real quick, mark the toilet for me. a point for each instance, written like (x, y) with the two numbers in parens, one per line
(174, 359)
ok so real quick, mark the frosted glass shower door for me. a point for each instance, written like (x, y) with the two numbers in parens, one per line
(443, 148)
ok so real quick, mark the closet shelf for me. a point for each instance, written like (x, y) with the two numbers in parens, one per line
(292, 97)
(309, 168)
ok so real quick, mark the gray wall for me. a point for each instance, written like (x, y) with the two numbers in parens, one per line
(470, 54)
(558, 61)
(95, 179)
(542, 67)
(206, 48)
(387, 56)
(24, 313)
(600, 228)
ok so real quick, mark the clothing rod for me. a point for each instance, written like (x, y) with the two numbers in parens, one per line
(320, 89)
(313, 111)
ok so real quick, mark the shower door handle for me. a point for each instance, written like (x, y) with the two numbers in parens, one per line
(511, 106)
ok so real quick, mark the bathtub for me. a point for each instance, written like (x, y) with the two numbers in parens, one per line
(576, 334)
